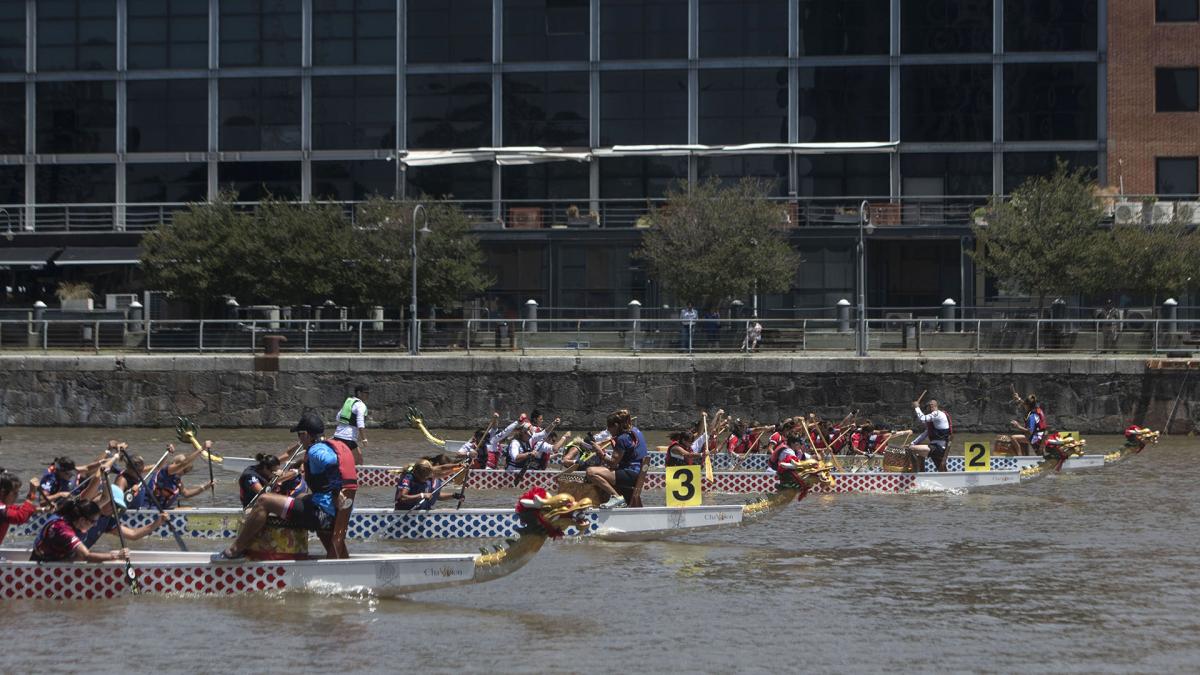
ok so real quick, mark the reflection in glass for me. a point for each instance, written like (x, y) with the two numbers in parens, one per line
(548, 109)
(166, 34)
(946, 103)
(844, 104)
(773, 169)
(167, 115)
(75, 117)
(12, 188)
(1050, 25)
(643, 29)
(640, 177)
(865, 175)
(166, 182)
(551, 180)
(260, 32)
(450, 31)
(945, 26)
(952, 173)
(1176, 10)
(460, 181)
(12, 37)
(354, 112)
(730, 28)
(260, 113)
(643, 107)
(1049, 101)
(1020, 166)
(254, 181)
(449, 111)
(743, 105)
(545, 30)
(1176, 89)
(354, 32)
(352, 181)
(841, 27)
(76, 183)
(12, 118)
(76, 35)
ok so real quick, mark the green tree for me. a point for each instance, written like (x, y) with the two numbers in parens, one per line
(1044, 240)
(712, 245)
(1154, 259)
(196, 256)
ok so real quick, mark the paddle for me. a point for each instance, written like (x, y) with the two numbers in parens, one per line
(820, 454)
(129, 573)
(277, 477)
(150, 493)
(462, 491)
(439, 488)
(708, 472)
(186, 430)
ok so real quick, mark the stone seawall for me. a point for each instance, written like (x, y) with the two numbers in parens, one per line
(1092, 395)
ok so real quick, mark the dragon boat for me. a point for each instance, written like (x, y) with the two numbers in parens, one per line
(542, 516)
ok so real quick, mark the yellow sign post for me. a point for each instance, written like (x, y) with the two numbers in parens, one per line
(683, 486)
(978, 456)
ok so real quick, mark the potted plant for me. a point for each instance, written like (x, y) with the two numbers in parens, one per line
(75, 296)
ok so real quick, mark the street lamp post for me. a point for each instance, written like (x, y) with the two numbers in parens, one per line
(864, 227)
(413, 340)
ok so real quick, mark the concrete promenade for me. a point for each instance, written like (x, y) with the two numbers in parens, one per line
(1088, 393)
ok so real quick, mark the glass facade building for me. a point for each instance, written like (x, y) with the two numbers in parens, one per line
(109, 107)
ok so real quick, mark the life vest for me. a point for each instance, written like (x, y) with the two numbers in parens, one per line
(672, 460)
(631, 459)
(415, 487)
(523, 448)
(45, 548)
(166, 487)
(346, 466)
(777, 454)
(346, 414)
(1041, 419)
(942, 435)
(56, 482)
(327, 481)
(774, 440)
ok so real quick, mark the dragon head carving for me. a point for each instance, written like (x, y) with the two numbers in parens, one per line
(540, 511)
(805, 474)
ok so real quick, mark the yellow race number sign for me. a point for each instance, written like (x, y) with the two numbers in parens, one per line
(683, 486)
(978, 456)
(1069, 435)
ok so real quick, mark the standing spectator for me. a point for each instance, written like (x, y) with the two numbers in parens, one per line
(688, 317)
(1112, 327)
(712, 327)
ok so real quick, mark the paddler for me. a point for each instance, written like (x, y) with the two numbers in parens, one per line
(789, 448)
(61, 538)
(110, 505)
(167, 482)
(60, 479)
(783, 429)
(622, 470)
(18, 514)
(315, 511)
(256, 477)
(935, 439)
(419, 488)
(352, 422)
(680, 452)
(1035, 426)
(475, 450)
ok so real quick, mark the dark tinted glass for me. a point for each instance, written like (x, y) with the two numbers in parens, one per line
(938, 174)
(837, 27)
(945, 26)
(844, 104)
(166, 182)
(743, 28)
(1176, 89)
(167, 116)
(354, 32)
(76, 35)
(1175, 176)
(354, 112)
(12, 191)
(449, 111)
(76, 183)
(76, 117)
(12, 37)
(450, 31)
(252, 181)
(1020, 166)
(260, 32)
(460, 181)
(1177, 10)
(353, 181)
(260, 113)
(643, 107)
(643, 29)
(1050, 25)
(743, 105)
(12, 118)
(545, 30)
(640, 177)
(168, 34)
(843, 175)
(771, 168)
(1049, 102)
(946, 103)
(546, 109)
(552, 180)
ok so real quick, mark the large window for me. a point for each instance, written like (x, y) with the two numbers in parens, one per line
(842, 27)
(76, 183)
(449, 111)
(76, 117)
(1050, 25)
(1049, 102)
(844, 104)
(12, 190)
(354, 112)
(460, 181)
(76, 35)
(166, 182)
(1175, 89)
(545, 30)
(743, 105)
(168, 34)
(450, 31)
(12, 118)
(640, 177)
(643, 29)
(346, 181)
(260, 32)
(843, 175)
(354, 32)
(643, 107)
(546, 109)
(771, 169)
(1175, 176)
(950, 104)
(167, 116)
(12, 37)
(1021, 166)
(944, 174)
(550, 180)
(260, 113)
(945, 26)
(254, 181)
(743, 28)
(1177, 10)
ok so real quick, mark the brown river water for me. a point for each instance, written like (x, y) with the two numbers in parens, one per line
(1089, 571)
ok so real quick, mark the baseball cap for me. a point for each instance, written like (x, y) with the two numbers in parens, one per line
(310, 422)
(118, 497)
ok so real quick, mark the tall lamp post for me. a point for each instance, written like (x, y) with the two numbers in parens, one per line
(413, 339)
(864, 227)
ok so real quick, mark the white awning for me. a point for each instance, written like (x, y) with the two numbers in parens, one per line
(515, 155)
(502, 156)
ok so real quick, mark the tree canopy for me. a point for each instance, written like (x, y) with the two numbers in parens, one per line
(712, 245)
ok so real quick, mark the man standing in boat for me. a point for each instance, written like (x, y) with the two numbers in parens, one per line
(352, 421)
(935, 439)
(316, 510)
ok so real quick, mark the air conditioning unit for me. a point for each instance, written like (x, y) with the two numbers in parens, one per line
(1137, 318)
(1163, 212)
(896, 320)
(1127, 213)
(119, 300)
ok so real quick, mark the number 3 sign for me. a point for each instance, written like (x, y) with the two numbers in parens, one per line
(683, 486)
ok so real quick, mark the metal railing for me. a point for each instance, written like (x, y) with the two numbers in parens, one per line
(818, 336)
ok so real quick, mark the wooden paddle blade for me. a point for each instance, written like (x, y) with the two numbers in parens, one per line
(708, 472)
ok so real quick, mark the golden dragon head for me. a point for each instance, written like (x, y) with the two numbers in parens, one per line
(805, 474)
(552, 514)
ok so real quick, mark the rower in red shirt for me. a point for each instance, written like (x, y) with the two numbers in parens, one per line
(15, 515)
